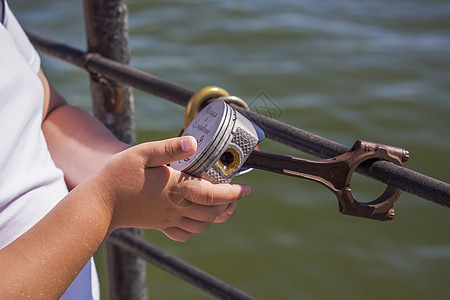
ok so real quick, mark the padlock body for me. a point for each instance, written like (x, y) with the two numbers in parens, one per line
(225, 139)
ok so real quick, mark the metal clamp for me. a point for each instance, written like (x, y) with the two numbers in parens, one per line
(336, 174)
(382, 207)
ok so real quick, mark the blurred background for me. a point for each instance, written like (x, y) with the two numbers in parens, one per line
(377, 70)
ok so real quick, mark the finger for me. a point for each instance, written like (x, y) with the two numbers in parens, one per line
(204, 213)
(227, 214)
(177, 234)
(163, 152)
(206, 193)
(193, 226)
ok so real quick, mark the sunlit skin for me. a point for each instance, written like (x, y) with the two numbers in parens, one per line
(112, 185)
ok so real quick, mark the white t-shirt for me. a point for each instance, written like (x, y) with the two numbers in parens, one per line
(30, 183)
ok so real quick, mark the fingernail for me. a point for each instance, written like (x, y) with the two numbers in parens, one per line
(231, 208)
(186, 144)
(246, 189)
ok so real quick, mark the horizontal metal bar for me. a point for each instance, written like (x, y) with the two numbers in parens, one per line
(407, 180)
(176, 267)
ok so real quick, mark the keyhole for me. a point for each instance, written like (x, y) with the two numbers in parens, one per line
(227, 159)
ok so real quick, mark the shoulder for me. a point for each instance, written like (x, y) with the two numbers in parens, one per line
(14, 32)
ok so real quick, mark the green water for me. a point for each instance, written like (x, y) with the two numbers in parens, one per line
(375, 70)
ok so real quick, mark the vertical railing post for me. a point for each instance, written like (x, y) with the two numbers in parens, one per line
(107, 34)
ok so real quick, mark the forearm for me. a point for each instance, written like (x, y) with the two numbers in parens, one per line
(45, 260)
(79, 144)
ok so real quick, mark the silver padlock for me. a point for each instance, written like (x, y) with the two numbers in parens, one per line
(225, 139)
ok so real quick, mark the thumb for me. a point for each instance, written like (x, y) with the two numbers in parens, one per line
(166, 151)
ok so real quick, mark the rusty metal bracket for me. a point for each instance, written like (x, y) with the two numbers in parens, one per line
(113, 94)
(336, 174)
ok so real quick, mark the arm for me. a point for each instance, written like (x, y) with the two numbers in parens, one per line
(132, 188)
(79, 143)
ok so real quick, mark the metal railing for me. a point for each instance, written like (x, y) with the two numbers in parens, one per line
(403, 178)
(110, 75)
(173, 265)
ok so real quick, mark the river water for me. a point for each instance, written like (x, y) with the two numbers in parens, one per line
(374, 70)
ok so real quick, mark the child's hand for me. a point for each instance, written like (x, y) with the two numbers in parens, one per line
(140, 191)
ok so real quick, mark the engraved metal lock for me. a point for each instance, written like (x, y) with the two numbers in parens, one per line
(225, 139)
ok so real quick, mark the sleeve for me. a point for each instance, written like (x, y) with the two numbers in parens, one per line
(21, 40)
